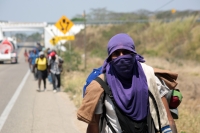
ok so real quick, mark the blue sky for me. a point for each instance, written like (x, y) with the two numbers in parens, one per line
(52, 10)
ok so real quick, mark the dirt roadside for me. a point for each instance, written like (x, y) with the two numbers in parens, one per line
(81, 126)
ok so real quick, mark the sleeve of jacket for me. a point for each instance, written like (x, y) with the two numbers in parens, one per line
(87, 109)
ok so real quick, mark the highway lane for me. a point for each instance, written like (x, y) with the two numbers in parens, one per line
(33, 112)
(10, 77)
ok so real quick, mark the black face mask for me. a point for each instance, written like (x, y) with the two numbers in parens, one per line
(123, 65)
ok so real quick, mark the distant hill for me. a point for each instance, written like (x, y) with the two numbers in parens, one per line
(100, 14)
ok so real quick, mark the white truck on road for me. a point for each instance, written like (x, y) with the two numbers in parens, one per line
(8, 50)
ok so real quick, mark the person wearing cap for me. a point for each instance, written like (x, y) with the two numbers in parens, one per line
(131, 82)
(55, 68)
(41, 64)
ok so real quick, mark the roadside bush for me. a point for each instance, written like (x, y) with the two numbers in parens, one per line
(72, 60)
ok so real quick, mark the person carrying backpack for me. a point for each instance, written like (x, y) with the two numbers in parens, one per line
(125, 97)
(55, 69)
(41, 64)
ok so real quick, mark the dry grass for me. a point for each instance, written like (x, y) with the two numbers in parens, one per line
(179, 38)
(189, 75)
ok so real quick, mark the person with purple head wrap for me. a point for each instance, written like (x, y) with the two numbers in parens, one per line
(129, 80)
(126, 77)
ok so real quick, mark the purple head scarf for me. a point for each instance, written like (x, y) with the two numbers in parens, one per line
(126, 78)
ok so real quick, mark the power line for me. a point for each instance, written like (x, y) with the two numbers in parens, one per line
(164, 5)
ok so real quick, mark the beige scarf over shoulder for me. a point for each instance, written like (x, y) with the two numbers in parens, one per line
(151, 80)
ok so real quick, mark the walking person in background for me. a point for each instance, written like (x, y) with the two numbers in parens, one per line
(55, 68)
(39, 47)
(26, 55)
(32, 59)
(49, 74)
(41, 65)
(29, 59)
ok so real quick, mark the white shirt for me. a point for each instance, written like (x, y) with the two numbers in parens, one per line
(110, 113)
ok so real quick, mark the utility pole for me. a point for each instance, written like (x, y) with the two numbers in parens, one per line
(84, 16)
(69, 49)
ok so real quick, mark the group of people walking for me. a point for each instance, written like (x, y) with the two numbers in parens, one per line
(45, 64)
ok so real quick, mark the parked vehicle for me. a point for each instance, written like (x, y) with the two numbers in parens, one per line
(8, 50)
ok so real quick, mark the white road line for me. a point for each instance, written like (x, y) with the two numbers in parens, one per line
(11, 103)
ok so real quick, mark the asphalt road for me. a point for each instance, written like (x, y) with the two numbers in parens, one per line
(32, 111)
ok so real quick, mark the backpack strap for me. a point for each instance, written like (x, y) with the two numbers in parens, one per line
(105, 87)
(106, 91)
(104, 111)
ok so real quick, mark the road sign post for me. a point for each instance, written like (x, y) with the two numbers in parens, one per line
(84, 16)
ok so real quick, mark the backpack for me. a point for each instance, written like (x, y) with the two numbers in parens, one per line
(93, 75)
(174, 96)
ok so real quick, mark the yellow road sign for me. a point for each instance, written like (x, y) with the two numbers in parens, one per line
(56, 39)
(64, 24)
